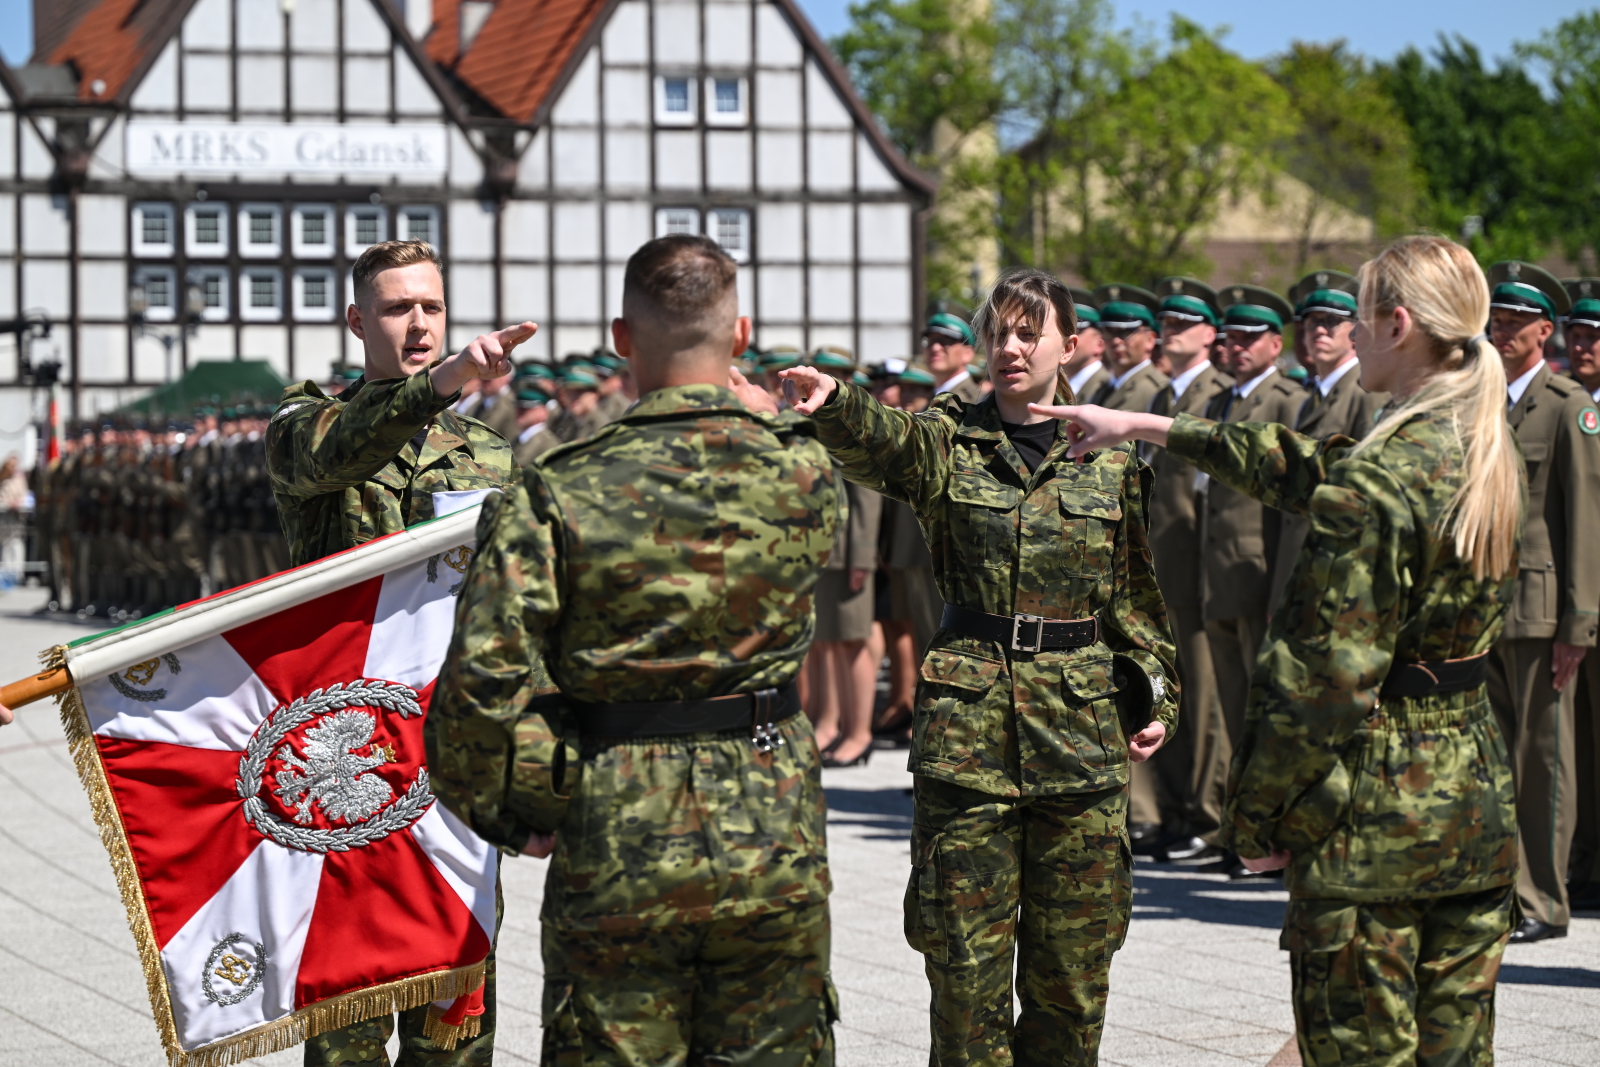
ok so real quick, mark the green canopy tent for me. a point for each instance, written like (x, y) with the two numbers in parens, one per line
(219, 382)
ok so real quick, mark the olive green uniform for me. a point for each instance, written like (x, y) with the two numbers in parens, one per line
(1399, 815)
(671, 556)
(1134, 393)
(345, 470)
(1021, 757)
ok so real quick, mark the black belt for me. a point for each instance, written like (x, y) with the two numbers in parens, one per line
(1022, 633)
(757, 712)
(1429, 679)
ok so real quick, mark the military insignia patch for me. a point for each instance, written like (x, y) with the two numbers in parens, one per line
(1589, 421)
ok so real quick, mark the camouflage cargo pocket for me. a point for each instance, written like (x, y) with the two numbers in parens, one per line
(558, 1015)
(1089, 715)
(1089, 520)
(951, 713)
(1121, 912)
(924, 903)
(983, 520)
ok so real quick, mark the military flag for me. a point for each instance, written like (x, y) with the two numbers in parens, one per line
(255, 763)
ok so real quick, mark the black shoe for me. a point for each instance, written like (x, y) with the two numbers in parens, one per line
(1534, 930)
(829, 760)
(1186, 848)
(1144, 837)
(1585, 899)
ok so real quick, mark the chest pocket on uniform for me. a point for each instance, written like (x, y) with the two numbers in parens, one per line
(983, 518)
(1089, 519)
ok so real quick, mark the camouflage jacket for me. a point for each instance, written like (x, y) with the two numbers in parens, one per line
(1377, 581)
(1067, 541)
(670, 556)
(367, 462)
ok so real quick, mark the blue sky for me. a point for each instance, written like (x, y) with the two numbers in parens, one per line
(1378, 28)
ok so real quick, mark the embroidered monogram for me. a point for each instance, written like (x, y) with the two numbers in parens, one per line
(230, 961)
(456, 559)
(141, 674)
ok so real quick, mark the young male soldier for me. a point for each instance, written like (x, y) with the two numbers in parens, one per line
(620, 688)
(1553, 617)
(1128, 320)
(1188, 769)
(1239, 535)
(1086, 371)
(1325, 318)
(365, 463)
(951, 349)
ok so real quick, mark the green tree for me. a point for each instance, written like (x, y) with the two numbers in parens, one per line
(1569, 58)
(1350, 144)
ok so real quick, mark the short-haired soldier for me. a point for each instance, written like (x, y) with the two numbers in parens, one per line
(348, 468)
(622, 677)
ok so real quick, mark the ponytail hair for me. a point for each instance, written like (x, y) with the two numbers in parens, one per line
(1441, 285)
(1033, 292)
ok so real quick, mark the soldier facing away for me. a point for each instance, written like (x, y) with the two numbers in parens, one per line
(1020, 754)
(1371, 765)
(622, 678)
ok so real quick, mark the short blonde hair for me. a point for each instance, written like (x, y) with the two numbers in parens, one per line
(385, 255)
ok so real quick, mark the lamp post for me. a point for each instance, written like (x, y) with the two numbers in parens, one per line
(187, 320)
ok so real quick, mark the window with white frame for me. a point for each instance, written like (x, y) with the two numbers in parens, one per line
(213, 285)
(675, 99)
(726, 104)
(730, 228)
(671, 220)
(418, 223)
(158, 288)
(207, 226)
(312, 231)
(260, 231)
(260, 294)
(363, 228)
(154, 230)
(314, 295)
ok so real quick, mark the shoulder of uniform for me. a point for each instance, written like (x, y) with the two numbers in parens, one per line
(297, 397)
(1287, 385)
(1564, 386)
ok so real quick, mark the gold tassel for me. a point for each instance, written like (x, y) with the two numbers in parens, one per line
(441, 1033)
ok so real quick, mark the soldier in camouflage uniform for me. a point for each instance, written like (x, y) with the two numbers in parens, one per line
(1020, 748)
(1371, 764)
(367, 462)
(622, 676)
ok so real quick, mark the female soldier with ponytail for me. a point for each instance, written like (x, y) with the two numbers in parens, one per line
(1371, 766)
(1052, 617)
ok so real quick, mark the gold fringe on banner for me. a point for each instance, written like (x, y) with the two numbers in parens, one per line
(331, 1014)
(435, 1029)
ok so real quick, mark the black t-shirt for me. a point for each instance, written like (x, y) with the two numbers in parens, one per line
(1032, 441)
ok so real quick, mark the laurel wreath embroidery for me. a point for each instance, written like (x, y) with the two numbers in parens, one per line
(456, 559)
(410, 807)
(234, 969)
(141, 673)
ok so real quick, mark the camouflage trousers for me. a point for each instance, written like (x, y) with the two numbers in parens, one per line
(734, 992)
(1400, 984)
(366, 1042)
(1047, 881)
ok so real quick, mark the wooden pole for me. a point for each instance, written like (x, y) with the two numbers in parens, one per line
(45, 684)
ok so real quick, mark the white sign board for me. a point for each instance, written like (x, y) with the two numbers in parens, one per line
(265, 148)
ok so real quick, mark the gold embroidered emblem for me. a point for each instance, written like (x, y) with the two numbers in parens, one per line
(141, 673)
(233, 969)
(458, 558)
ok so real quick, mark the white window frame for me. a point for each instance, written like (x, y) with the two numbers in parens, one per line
(169, 313)
(248, 249)
(354, 248)
(330, 232)
(402, 221)
(316, 314)
(223, 311)
(714, 231)
(162, 249)
(248, 311)
(205, 251)
(677, 118)
(740, 117)
(663, 217)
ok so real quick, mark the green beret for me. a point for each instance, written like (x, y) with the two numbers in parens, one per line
(1253, 309)
(862, 379)
(1585, 296)
(780, 359)
(832, 359)
(1518, 286)
(1189, 300)
(1126, 307)
(1086, 306)
(915, 375)
(535, 370)
(951, 326)
(608, 362)
(1330, 291)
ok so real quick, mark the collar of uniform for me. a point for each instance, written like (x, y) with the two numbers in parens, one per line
(1325, 385)
(1182, 382)
(1244, 389)
(684, 399)
(450, 431)
(982, 420)
(1517, 389)
(1118, 380)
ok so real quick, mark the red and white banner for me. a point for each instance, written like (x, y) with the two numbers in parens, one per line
(256, 765)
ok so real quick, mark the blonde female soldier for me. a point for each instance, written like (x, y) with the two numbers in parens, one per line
(1371, 765)
(1021, 756)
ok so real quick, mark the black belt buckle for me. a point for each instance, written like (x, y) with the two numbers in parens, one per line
(1017, 622)
(764, 733)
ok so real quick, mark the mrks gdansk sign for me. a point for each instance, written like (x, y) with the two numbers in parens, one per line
(245, 148)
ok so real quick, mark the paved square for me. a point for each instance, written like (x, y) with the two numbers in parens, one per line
(1201, 982)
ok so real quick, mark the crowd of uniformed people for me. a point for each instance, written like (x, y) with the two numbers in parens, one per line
(1181, 564)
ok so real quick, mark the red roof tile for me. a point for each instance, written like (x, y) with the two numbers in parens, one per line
(111, 42)
(520, 54)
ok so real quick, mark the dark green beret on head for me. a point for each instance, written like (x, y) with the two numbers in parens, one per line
(1189, 300)
(1585, 296)
(1252, 308)
(952, 327)
(579, 376)
(1518, 286)
(535, 371)
(1087, 307)
(1331, 291)
(530, 395)
(1125, 307)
